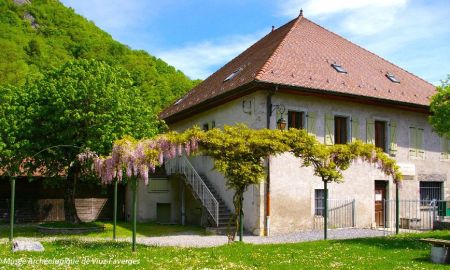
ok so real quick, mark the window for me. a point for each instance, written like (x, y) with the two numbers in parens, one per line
(296, 119)
(416, 149)
(209, 125)
(430, 191)
(380, 135)
(232, 75)
(319, 205)
(340, 130)
(392, 78)
(339, 68)
(158, 185)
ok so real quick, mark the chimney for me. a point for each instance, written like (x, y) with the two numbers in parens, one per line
(273, 28)
(301, 12)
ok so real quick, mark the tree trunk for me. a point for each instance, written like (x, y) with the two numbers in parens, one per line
(238, 199)
(70, 212)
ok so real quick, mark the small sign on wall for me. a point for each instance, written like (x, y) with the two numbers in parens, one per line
(407, 169)
(378, 197)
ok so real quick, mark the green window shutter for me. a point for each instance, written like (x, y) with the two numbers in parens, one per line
(370, 131)
(412, 142)
(329, 129)
(419, 144)
(393, 138)
(355, 129)
(211, 125)
(445, 148)
(311, 124)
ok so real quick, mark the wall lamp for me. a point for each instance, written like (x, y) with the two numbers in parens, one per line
(281, 123)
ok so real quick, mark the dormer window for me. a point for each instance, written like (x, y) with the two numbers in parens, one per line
(232, 75)
(339, 68)
(392, 78)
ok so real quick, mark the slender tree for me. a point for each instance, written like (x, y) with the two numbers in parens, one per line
(440, 109)
(84, 104)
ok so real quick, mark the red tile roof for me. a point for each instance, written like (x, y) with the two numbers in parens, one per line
(299, 54)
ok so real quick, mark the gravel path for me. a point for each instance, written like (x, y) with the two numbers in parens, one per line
(193, 240)
(210, 241)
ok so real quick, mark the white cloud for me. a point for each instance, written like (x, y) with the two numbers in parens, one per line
(199, 60)
(291, 8)
(361, 17)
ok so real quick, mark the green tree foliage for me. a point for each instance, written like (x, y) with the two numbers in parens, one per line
(84, 104)
(12, 119)
(44, 34)
(440, 109)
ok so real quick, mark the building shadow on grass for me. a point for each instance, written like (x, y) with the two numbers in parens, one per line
(389, 243)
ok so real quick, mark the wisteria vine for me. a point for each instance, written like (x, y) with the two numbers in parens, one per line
(138, 157)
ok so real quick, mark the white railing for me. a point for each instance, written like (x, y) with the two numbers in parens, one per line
(182, 166)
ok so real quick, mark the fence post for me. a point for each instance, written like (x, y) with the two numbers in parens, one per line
(325, 218)
(115, 210)
(134, 185)
(384, 216)
(397, 210)
(11, 214)
(353, 214)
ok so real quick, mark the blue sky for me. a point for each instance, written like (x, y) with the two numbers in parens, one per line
(198, 37)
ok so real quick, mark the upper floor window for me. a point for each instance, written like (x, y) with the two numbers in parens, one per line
(296, 119)
(380, 135)
(341, 130)
(209, 125)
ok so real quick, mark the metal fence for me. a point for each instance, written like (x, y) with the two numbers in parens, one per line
(416, 215)
(341, 214)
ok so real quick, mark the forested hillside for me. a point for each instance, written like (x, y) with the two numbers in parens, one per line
(36, 35)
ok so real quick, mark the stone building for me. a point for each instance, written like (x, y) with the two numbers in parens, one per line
(339, 92)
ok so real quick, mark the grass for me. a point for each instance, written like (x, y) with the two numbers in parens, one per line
(123, 230)
(396, 252)
(63, 224)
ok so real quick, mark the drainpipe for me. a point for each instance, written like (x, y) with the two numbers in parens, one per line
(269, 114)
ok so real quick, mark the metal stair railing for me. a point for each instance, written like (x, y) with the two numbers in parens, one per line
(182, 166)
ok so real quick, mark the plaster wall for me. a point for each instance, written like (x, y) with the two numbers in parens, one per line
(249, 110)
(292, 186)
(147, 202)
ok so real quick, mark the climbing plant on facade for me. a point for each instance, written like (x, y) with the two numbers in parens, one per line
(238, 153)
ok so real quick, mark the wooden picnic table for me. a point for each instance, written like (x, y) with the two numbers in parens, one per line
(440, 251)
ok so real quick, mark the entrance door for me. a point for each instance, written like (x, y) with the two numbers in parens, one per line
(380, 196)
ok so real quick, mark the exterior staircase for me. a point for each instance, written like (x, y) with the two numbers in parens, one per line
(224, 212)
(218, 212)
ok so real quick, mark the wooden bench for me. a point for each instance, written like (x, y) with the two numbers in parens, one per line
(440, 251)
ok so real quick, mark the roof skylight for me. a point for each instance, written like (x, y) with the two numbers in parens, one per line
(232, 75)
(178, 101)
(392, 78)
(339, 68)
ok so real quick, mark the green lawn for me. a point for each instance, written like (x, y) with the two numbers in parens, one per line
(123, 230)
(397, 252)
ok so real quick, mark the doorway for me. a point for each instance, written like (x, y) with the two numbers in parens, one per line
(380, 197)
